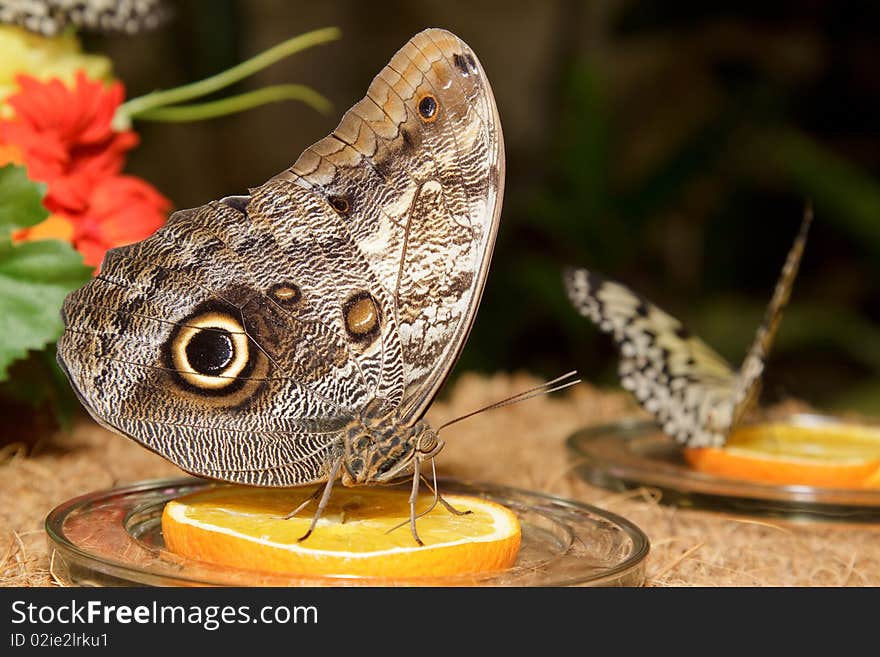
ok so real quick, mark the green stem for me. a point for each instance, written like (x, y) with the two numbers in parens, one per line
(137, 106)
(239, 103)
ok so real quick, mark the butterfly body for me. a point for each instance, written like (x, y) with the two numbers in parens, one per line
(692, 392)
(379, 448)
(299, 333)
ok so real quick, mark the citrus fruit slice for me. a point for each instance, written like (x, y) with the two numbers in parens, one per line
(244, 528)
(828, 455)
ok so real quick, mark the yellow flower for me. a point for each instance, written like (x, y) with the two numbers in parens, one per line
(22, 51)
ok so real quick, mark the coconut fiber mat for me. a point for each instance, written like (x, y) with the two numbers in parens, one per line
(521, 445)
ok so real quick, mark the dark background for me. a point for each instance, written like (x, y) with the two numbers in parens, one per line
(669, 145)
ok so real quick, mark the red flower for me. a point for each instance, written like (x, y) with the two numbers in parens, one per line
(122, 210)
(65, 136)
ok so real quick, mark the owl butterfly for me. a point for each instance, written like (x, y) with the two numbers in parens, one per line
(298, 334)
(695, 396)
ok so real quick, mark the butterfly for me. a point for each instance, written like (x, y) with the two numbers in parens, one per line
(692, 392)
(298, 334)
(52, 17)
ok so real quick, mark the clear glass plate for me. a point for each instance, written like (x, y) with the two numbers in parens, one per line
(114, 538)
(634, 453)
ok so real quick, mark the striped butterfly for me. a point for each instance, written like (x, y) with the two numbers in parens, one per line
(692, 392)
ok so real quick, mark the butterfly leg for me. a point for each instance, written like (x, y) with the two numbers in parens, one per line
(412, 509)
(302, 506)
(452, 509)
(435, 489)
(438, 497)
(331, 478)
(412, 502)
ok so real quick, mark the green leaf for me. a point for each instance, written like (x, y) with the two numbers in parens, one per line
(34, 279)
(39, 383)
(21, 200)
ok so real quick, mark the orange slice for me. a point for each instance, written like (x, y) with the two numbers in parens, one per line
(243, 528)
(825, 455)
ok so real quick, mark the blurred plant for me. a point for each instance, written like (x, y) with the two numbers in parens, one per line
(686, 144)
(64, 135)
(65, 140)
(25, 53)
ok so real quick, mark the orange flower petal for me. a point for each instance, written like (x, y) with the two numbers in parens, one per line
(66, 137)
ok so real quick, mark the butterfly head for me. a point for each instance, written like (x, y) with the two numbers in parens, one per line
(382, 453)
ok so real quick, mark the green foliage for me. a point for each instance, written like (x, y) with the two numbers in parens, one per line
(21, 200)
(34, 276)
(38, 382)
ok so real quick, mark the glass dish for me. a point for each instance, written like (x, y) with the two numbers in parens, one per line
(114, 538)
(633, 453)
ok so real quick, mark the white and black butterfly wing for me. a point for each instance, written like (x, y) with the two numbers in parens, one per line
(675, 376)
(52, 17)
(692, 392)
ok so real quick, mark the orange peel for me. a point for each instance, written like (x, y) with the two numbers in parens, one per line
(838, 455)
(244, 528)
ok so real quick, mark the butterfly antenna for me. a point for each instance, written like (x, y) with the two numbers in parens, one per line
(559, 383)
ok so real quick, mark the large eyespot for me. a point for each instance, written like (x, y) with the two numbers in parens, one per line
(428, 108)
(209, 350)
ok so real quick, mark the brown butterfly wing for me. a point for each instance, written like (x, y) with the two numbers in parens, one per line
(241, 338)
(416, 169)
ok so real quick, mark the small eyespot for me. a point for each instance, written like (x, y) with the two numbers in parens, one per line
(361, 316)
(285, 293)
(428, 108)
(239, 203)
(340, 204)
